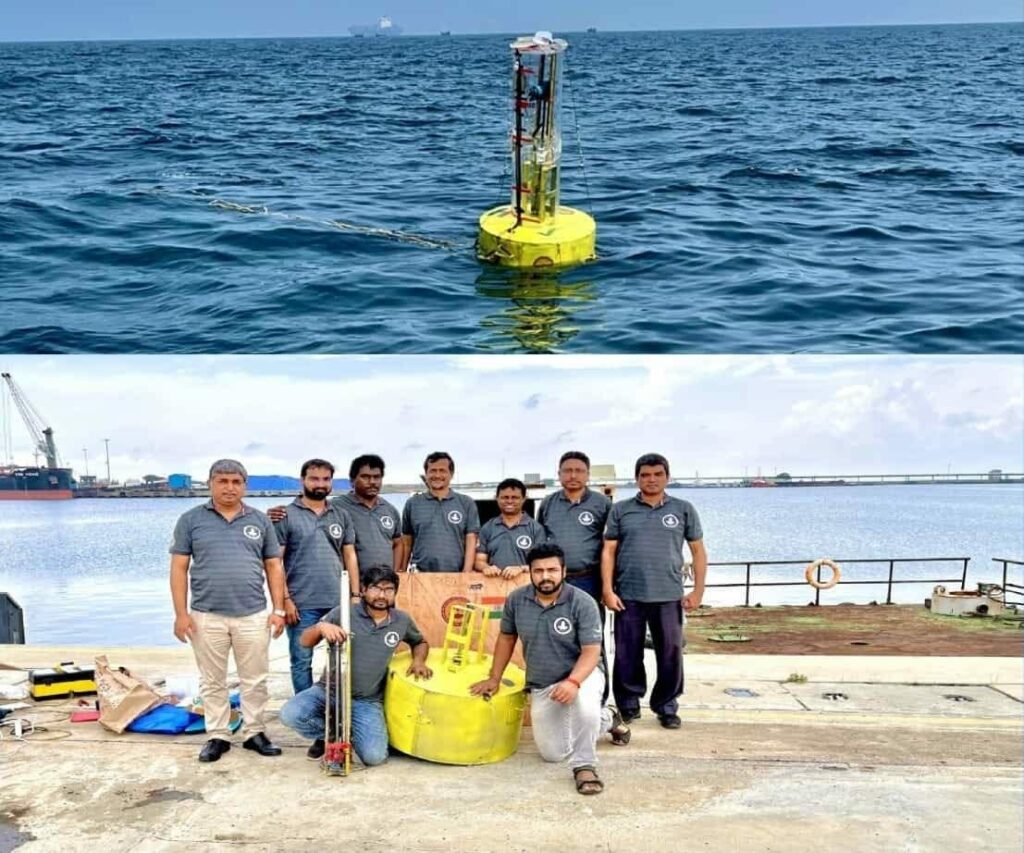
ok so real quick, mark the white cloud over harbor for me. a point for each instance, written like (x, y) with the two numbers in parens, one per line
(716, 415)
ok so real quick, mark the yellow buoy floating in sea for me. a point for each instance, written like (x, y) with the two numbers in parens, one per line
(534, 230)
(437, 719)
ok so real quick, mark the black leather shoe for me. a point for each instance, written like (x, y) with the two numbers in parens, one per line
(629, 715)
(214, 749)
(316, 750)
(670, 721)
(259, 743)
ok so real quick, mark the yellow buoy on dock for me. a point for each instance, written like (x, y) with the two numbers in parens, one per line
(534, 230)
(437, 719)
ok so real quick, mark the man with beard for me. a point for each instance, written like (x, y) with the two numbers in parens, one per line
(561, 635)
(318, 544)
(506, 539)
(222, 553)
(376, 523)
(439, 526)
(574, 517)
(642, 581)
(377, 628)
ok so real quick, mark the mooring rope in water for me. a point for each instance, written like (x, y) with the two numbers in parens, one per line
(339, 225)
(579, 140)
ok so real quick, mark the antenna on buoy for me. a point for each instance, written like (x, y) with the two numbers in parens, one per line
(534, 230)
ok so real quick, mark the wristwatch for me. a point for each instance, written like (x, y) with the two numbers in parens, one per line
(280, 613)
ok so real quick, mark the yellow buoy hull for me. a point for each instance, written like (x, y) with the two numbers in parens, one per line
(438, 720)
(568, 238)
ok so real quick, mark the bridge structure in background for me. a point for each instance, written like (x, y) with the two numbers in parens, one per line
(996, 476)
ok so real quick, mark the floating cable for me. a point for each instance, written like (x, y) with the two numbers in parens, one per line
(420, 240)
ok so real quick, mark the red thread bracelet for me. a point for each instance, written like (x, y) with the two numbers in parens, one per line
(572, 680)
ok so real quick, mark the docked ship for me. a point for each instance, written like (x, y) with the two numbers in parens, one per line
(50, 482)
(383, 27)
(35, 484)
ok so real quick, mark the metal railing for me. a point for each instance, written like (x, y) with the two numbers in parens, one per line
(889, 581)
(1010, 588)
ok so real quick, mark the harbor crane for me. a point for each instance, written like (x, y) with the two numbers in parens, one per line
(42, 435)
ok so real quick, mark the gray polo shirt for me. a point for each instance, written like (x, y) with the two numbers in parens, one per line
(576, 527)
(507, 546)
(554, 636)
(312, 553)
(649, 559)
(375, 527)
(439, 529)
(373, 646)
(226, 575)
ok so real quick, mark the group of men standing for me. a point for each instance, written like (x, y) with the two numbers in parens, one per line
(583, 554)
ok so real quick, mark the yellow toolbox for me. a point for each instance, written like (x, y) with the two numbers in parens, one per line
(62, 682)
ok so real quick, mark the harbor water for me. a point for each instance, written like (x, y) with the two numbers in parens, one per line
(797, 190)
(95, 571)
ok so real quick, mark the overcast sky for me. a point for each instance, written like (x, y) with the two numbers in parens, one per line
(716, 415)
(129, 19)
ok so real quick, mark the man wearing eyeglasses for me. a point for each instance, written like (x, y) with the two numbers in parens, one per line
(377, 628)
(574, 517)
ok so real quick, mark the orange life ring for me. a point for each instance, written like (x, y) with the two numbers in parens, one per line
(810, 574)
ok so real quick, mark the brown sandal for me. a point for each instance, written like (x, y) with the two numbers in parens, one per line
(587, 787)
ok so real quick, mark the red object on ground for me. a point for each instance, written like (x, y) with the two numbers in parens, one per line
(84, 716)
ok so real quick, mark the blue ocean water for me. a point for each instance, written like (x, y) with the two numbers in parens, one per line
(847, 189)
(95, 571)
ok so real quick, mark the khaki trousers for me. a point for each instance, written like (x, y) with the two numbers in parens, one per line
(249, 638)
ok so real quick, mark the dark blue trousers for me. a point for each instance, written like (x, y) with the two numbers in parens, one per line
(629, 678)
(592, 584)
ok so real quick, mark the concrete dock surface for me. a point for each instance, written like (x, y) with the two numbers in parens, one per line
(805, 752)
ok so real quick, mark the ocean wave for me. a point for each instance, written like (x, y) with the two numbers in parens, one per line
(910, 172)
(776, 178)
(759, 173)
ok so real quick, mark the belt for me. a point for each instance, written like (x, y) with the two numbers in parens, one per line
(581, 573)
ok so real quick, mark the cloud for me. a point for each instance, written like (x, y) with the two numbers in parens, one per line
(716, 414)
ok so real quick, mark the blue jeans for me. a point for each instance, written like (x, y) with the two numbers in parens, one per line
(304, 712)
(591, 584)
(301, 657)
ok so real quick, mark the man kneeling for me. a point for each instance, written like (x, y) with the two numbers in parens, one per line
(377, 629)
(561, 633)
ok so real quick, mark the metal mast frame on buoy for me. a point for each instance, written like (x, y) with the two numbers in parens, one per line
(533, 230)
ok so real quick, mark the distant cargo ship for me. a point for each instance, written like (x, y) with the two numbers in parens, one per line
(383, 27)
(35, 484)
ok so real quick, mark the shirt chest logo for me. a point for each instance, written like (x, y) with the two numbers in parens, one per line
(335, 531)
(524, 541)
(391, 639)
(586, 518)
(670, 520)
(455, 517)
(387, 522)
(251, 531)
(561, 626)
